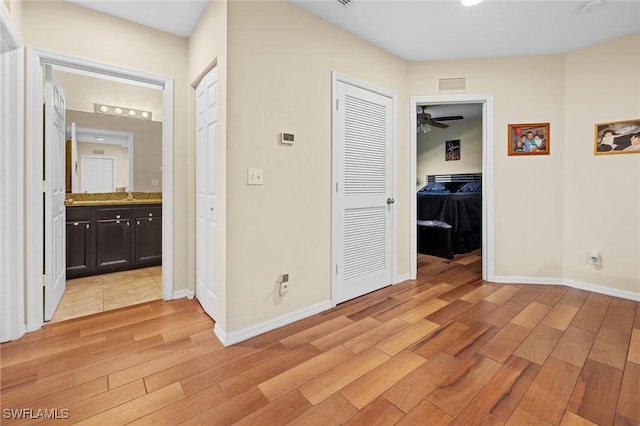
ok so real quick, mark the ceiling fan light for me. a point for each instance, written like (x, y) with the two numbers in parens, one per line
(470, 2)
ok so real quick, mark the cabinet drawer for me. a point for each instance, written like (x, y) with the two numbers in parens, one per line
(113, 213)
(78, 214)
(147, 212)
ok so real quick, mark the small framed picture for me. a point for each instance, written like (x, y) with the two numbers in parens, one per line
(528, 139)
(617, 137)
(452, 150)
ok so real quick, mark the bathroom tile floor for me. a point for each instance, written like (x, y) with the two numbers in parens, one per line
(99, 293)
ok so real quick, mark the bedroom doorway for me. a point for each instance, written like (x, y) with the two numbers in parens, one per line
(452, 107)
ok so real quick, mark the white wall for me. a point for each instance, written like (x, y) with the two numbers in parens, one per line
(528, 190)
(602, 193)
(64, 27)
(430, 156)
(280, 61)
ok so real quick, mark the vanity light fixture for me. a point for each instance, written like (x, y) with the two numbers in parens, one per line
(121, 111)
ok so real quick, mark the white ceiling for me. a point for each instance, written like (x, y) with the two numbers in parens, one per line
(420, 30)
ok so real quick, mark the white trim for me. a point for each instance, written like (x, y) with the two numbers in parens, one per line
(402, 278)
(488, 178)
(12, 319)
(179, 294)
(595, 288)
(234, 337)
(335, 78)
(35, 59)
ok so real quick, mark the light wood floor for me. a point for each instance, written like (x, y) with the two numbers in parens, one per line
(100, 293)
(445, 349)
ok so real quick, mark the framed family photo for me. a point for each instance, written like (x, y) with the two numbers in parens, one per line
(617, 137)
(528, 139)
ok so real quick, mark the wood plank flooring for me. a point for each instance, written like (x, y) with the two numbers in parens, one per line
(445, 349)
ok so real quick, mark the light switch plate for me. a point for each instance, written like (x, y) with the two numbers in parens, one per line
(255, 176)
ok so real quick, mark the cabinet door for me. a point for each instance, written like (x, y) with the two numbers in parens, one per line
(79, 249)
(148, 245)
(113, 240)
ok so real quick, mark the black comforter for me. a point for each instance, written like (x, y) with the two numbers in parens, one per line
(463, 211)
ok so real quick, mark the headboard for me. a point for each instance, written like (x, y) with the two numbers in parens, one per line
(460, 177)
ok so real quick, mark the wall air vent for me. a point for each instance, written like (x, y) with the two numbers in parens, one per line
(344, 2)
(98, 152)
(452, 84)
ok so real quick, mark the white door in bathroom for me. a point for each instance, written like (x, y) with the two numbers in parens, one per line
(206, 223)
(54, 194)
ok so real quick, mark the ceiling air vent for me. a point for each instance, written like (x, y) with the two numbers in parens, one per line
(344, 2)
(452, 84)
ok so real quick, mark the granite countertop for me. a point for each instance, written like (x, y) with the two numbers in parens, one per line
(113, 198)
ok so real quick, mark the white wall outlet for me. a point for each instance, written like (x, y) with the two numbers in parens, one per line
(284, 284)
(255, 176)
(595, 258)
(155, 182)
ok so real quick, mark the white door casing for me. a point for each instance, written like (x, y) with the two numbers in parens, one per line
(363, 199)
(206, 224)
(54, 189)
(488, 176)
(34, 251)
(97, 174)
(74, 160)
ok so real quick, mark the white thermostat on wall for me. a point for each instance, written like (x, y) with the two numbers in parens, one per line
(286, 138)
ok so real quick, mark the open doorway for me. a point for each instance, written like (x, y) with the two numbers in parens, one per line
(34, 188)
(106, 152)
(442, 162)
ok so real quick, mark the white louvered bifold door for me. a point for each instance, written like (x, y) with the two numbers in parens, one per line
(363, 191)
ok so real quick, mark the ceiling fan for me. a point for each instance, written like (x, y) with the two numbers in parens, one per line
(425, 120)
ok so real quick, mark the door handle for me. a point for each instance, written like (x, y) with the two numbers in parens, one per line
(390, 201)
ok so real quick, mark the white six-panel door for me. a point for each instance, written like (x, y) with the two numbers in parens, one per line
(363, 191)
(97, 174)
(206, 225)
(54, 190)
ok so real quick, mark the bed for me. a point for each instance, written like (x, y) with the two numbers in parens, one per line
(449, 213)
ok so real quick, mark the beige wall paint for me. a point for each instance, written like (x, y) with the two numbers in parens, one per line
(528, 190)
(602, 192)
(280, 63)
(430, 148)
(93, 35)
(81, 92)
(15, 14)
(147, 144)
(207, 46)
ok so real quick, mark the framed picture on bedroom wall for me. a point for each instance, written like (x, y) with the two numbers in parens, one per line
(617, 137)
(452, 150)
(528, 139)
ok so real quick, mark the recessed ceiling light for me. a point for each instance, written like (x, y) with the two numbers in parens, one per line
(98, 138)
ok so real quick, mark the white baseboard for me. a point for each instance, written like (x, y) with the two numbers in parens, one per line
(234, 337)
(178, 294)
(570, 283)
(402, 278)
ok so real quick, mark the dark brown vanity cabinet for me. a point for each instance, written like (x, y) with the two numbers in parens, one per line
(80, 252)
(148, 244)
(113, 238)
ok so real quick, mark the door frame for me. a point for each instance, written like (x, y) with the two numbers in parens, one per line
(36, 58)
(335, 78)
(488, 178)
(12, 323)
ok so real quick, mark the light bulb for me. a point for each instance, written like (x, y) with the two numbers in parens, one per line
(118, 110)
(104, 108)
(145, 114)
(132, 112)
